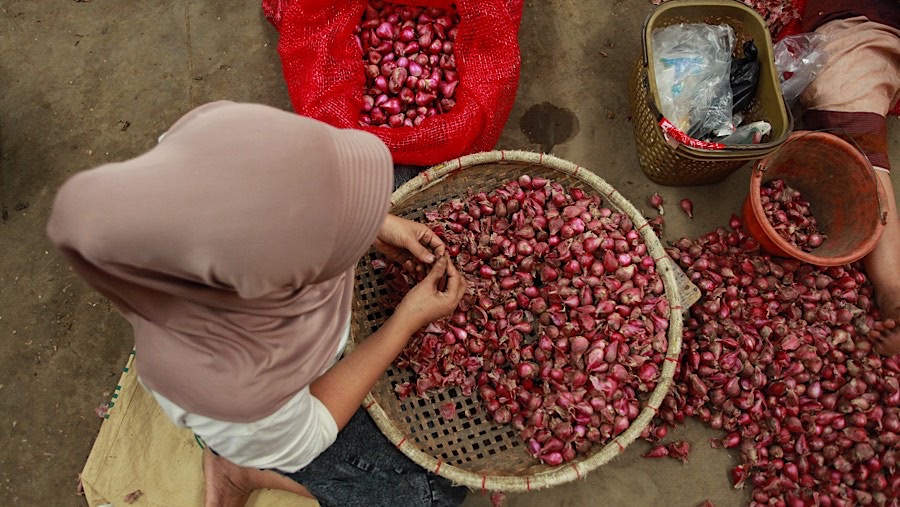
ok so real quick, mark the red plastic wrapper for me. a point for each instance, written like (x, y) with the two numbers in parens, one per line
(323, 67)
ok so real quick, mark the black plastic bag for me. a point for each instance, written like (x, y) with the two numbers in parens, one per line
(744, 77)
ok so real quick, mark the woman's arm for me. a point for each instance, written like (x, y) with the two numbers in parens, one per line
(342, 388)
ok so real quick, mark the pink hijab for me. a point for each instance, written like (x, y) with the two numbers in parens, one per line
(230, 249)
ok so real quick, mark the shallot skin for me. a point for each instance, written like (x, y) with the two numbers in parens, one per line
(680, 450)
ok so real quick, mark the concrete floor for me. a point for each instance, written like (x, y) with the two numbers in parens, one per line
(85, 82)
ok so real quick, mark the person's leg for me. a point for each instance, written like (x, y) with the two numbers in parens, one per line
(363, 468)
(230, 485)
(850, 97)
(883, 268)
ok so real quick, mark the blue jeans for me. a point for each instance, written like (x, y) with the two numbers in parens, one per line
(362, 468)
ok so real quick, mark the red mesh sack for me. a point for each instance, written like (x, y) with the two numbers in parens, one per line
(323, 67)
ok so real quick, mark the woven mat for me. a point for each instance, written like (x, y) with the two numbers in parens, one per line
(138, 448)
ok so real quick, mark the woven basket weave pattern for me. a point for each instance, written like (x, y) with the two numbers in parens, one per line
(470, 449)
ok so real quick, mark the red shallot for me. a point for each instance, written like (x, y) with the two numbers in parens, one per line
(659, 451)
(688, 207)
(656, 201)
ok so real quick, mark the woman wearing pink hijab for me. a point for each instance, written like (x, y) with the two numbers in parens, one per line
(230, 248)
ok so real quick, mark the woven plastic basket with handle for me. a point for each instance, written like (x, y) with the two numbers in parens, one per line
(678, 164)
(470, 449)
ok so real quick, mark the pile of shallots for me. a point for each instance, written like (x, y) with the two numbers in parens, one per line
(409, 63)
(790, 215)
(563, 325)
(775, 354)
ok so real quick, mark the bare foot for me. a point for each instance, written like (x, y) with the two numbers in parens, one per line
(225, 482)
(230, 485)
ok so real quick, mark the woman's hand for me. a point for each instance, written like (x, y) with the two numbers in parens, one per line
(434, 297)
(343, 387)
(409, 243)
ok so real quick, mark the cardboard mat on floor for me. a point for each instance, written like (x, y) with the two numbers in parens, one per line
(139, 449)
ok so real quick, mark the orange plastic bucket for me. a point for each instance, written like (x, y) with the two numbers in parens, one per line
(841, 187)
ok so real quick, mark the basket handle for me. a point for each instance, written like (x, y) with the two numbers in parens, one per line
(651, 104)
(843, 134)
(882, 207)
(644, 57)
(645, 75)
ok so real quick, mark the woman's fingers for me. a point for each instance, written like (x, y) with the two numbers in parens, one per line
(456, 284)
(418, 251)
(438, 270)
(433, 242)
(427, 247)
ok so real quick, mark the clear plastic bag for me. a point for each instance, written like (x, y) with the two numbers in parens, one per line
(798, 59)
(692, 64)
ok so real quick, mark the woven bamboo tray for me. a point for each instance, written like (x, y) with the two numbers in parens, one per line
(470, 449)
